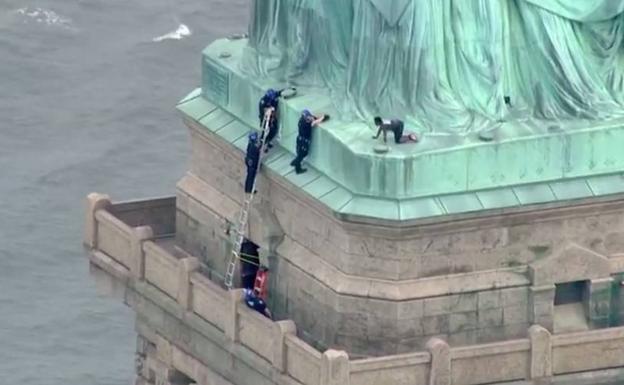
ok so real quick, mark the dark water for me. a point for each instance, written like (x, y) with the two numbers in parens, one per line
(86, 104)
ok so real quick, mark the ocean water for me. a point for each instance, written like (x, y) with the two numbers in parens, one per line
(87, 95)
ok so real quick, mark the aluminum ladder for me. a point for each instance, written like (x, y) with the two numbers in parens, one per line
(244, 213)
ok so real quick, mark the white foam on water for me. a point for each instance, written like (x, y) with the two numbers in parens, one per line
(44, 16)
(180, 33)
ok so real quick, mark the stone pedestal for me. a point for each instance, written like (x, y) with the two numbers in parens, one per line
(440, 372)
(598, 301)
(541, 353)
(542, 306)
(335, 368)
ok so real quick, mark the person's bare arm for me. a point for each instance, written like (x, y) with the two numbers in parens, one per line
(318, 120)
(378, 133)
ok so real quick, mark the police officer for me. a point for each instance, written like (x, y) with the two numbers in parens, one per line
(253, 301)
(304, 139)
(252, 158)
(270, 100)
(250, 261)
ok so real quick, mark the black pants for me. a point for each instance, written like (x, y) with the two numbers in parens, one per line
(252, 169)
(248, 281)
(303, 148)
(273, 130)
(398, 133)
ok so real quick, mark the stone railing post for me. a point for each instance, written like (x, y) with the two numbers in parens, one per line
(598, 301)
(232, 320)
(335, 368)
(541, 353)
(440, 370)
(137, 254)
(95, 202)
(542, 305)
(281, 329)
(186, 267)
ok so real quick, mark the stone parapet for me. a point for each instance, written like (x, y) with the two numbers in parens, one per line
(279, 356)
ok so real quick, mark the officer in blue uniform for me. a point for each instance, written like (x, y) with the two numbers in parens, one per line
(254, 302)
(250, 262)
(270, 100)
(252, 158)
(306, 122)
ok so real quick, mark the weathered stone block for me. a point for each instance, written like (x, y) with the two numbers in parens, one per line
(144, 346)
(490, 317)
(410, 345)
(334, 368)
(355, 343)
(542, 309)
(409, 328)
(463, 338)
(437, 306)
(601, 322)
(515, 314)
(431, 266)
(517, 296)
(232, 321)
(464, 302)
(353, 324)
(379, 326)
(350, 304)
(94, 203)
(433, 325)
(542, 306)
(440, 372)
(614, 243)
(281, 329)
(459, 322)
(411, 309)
(163, 350)
(186, 267)
(568, 264)
(137, 255)
(599, 300)
(491, 334)
(489, 299)
(541, 352)
(515, 330)
(374, 345)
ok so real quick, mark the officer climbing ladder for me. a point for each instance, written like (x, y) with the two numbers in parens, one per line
(244, 213)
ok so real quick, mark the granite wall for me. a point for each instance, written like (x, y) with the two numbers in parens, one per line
(373, 287)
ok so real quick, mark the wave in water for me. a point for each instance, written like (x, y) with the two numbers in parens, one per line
(180, 33)
(44, 16)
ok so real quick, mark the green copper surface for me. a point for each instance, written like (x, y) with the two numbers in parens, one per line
(523, 152)
(345, 202)
(445, 66)
(543, 81)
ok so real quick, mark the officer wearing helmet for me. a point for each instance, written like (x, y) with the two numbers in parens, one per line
(306, 122)
(270, 100)
(252, 158)
(253, 301)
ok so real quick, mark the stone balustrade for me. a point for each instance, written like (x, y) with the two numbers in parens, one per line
(133, 253)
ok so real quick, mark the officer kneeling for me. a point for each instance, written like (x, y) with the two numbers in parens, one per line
(304, 139)
(254, 301)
